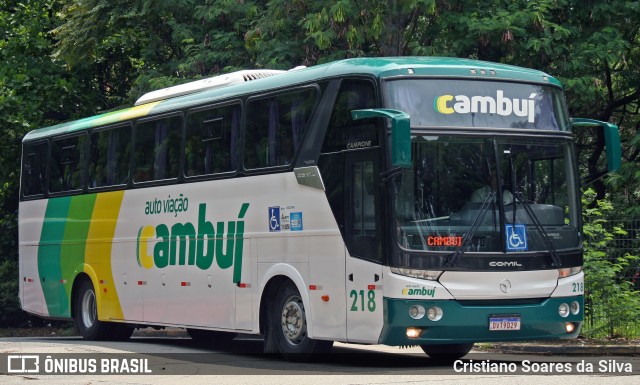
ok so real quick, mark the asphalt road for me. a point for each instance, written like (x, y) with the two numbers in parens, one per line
(181, 361)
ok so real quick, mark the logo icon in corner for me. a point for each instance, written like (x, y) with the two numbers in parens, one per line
(505, 286)
(23, 364)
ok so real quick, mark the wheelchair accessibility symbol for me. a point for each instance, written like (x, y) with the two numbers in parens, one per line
(274, 218)
(516, 237)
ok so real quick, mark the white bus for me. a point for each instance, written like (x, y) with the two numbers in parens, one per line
(398, 201)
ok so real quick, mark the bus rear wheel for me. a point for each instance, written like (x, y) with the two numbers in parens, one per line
(289, 327)
(119, 331)
(86, 314)
(210, 337)
(447, 352)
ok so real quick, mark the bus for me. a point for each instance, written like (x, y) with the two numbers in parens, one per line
(405, 201)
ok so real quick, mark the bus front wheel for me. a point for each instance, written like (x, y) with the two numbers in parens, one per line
(289, 325)
(446, 353)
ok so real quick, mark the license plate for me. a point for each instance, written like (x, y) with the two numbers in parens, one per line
(504, 323)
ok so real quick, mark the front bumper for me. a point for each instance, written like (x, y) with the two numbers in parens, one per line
(468, 321)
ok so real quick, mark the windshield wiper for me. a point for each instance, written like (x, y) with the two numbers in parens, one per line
(453, 259)
(386, 176)
(553, 255)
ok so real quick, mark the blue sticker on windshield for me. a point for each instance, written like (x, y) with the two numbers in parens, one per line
(516, 237)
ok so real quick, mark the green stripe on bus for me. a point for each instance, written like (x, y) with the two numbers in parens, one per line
(61, 249)
(74, 242)
(49, 252)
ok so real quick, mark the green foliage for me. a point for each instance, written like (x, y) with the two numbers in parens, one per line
(135, 47)
(11, 315)
(35, 90)
(612, 305)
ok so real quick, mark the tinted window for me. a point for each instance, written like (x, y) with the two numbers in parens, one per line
(349, 176)
(110, 156)
(67, 157)
(157, 149)
(212, 137)
(362, 202)
(345, 133)
(275, 126)
(34, 169)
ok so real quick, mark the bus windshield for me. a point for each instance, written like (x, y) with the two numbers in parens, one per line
(519, 192)
(471, 103)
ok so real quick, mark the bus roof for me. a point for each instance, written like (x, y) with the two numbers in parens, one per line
(377, 67)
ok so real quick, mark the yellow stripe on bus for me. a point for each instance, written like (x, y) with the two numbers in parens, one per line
(131, 113)
(98, 253)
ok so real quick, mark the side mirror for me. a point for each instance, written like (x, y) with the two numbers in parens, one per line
(400, 133)
(611, 140)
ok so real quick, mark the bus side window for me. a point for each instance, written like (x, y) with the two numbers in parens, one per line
(275, 126)
(353, 94)
(364, 215)
(343, 132)
(212, 137)
(157, 145)
(110, 156)
(34, 167)
(65, 164)
(348, 164)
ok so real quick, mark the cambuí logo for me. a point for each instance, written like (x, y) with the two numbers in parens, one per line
(421, 291)
(463, 104)
(184, 244)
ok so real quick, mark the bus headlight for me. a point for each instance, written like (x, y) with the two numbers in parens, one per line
(413, 332)
(417, 311)
(431, 275)
(563, 310)
(434, 313)
(575, 307)
(569, 271)
(570, 327)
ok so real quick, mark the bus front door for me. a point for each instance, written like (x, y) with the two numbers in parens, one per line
(362, 236)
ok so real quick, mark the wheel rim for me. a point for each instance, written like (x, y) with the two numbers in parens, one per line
(294, 326)
(89, 315)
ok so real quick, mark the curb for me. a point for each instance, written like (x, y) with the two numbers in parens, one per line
(510, 348)
(587, 350)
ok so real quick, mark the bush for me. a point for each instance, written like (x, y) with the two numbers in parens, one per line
(11, 315)
(612, 306)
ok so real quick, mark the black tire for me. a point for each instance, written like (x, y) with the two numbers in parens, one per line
(288, 327)
(86, 314)
(119, 332)
(446, 353)
(210, 337)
